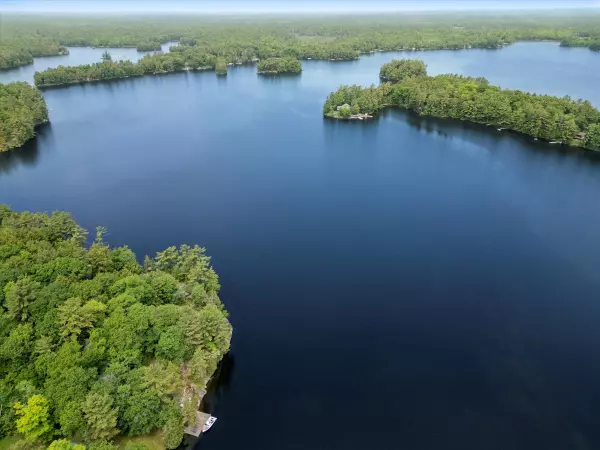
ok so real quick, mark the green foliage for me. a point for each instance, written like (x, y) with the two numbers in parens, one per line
(237, 40)
(592, 138)
(22, 108)
(33, 421)
(171, 344)
(71, 419)
(75, 317)
(279, 65)
(399, 69)
(173, 430)
(355, 98)
(64, 444)
(100, 417)
(221, 66)
(136, 446)
(14, 53)
(474, 100)
(24, 444)
(91, 343)
(148, 46)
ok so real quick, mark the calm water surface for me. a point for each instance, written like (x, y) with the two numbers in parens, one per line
(405, 284)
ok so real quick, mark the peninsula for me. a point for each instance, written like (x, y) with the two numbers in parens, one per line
(22, 109)
(563, 120)
(93, 345)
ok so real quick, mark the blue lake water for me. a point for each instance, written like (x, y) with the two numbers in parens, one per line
(409, 283)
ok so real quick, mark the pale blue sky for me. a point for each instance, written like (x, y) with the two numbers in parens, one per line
(259, 6)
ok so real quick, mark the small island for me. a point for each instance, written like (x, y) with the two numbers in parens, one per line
(558, 120)
(221, 67)
(96, 348)
(398, 69)
(276, 66)
(148, 46)
(22, 109)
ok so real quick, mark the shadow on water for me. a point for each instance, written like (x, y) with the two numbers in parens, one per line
(278, 78)
(27, 155)
(455, 129)
(219, 383)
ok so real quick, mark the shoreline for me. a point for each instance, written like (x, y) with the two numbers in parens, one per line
(254, 61)
(572, 144)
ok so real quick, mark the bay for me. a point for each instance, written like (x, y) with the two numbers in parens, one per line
(407, 283)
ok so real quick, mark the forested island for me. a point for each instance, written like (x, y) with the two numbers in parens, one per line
(471, 99)
(279, 65)
(94, 345)
(22, 109)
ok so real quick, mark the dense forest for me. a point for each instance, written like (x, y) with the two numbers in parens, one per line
(398, 69)
(95, 345)
(22, 109)
(279, 65)
(14, 53)
(474, 100)
(148, 46)
(239, 40)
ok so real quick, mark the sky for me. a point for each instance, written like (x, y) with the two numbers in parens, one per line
(283, 6)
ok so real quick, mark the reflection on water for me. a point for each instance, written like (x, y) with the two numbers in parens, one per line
(25, 156)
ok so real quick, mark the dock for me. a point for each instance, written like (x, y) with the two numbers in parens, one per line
(196, 428)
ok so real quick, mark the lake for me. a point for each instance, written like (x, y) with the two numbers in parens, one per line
(409, 283)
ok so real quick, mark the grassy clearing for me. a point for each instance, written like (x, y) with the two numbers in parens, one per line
(7, 442)
(152, 441)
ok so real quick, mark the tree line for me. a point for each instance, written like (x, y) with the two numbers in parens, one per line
(239, 39)
(474, 100)
(22, 109)
(188, 58)
(15, 53)
(94, 345)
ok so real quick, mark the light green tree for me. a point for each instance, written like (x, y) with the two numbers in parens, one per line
(73, 317)
(33, 418)
(64, 444)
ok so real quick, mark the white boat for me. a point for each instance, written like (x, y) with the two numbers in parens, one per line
(209, 423)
